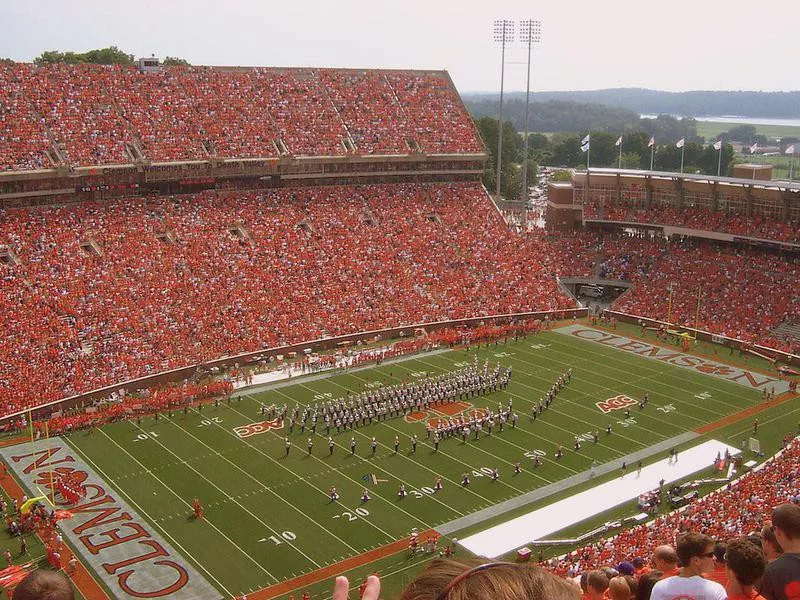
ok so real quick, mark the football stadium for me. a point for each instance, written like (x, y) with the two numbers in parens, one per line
(264, 327)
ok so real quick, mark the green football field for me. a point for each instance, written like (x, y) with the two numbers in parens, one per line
(268, 517)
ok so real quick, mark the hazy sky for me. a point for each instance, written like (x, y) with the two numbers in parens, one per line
(676, 45)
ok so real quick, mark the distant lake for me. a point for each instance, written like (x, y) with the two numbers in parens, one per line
(739, 120)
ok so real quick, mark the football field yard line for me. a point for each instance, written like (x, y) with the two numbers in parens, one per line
(644, 364)
(629, 381)
(135, 426)
(273, 492)
(228, 496)
(735, 400)
(418, 463)
(780, 417)
(543, 522)
(145, 514)
(522, 429)
(336, 469)
(372, 464)
(446, 454)
(560, 487)
(548, 423)
(552, 409)
(632, 381)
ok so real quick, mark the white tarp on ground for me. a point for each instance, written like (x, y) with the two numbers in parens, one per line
(545, 521)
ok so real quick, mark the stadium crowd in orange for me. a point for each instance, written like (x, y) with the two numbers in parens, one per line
(98, 115)
(300, 264)
(757, 225)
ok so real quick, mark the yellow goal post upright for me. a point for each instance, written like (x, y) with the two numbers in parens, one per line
(51, 500)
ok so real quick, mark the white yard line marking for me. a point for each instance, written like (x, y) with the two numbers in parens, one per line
(145, 514)
(304, 479)
(651, 366)
(442, 452)
(554, 517)
(234, 500)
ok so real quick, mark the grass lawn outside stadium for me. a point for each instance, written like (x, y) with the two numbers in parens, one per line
(268, 517)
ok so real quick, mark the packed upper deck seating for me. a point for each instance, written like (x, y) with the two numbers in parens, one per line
(23, 134)
(153, 284)
(98, 115)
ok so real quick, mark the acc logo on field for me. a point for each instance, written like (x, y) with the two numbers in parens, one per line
(244, 431)
(615, 403)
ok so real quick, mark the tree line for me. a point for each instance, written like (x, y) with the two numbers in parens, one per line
(100, 56)
(564, 150)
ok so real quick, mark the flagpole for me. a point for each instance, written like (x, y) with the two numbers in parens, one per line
(52, 487)
(719, 161)
(683, 147)
(652, 154)
(697, 314)
(620, 153)
(669, 306)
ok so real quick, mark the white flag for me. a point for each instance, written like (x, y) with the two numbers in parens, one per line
(718, 145)
(753, 148)
(789, 150)
(619, 141)
(680, 143)
(585, 140)
(652, 142)
(585, 147)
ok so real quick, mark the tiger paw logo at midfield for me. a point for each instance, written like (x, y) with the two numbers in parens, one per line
(244, 431)
(615, 403)
(442, 414)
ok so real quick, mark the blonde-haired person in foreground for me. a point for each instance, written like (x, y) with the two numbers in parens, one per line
(446, 579)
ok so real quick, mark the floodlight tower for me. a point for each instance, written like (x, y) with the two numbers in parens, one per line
(503, 33)
(530, 32)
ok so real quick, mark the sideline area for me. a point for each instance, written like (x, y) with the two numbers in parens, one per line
(536, 525)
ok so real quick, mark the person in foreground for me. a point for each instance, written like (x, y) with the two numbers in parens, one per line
(696, 554)
(42, 584)
(745, 563)
(782, 576)
(446, 579)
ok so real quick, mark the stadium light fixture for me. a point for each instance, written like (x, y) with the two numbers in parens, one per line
(502, 33)
(530, 32)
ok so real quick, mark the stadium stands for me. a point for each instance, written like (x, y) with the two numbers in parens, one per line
(101, 115)
(742, 292)
(758, 226)
(108, 292)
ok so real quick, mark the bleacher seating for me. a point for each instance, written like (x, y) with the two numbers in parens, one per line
(299, 264)
(758, 226)
(744, 293)
(98, 115)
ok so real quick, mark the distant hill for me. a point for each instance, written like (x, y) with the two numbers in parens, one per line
(558, 115)
(784, 105)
